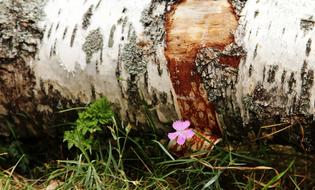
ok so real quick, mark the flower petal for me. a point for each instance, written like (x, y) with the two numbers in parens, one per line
(181, 140)
(189, 133)
(172, 136)
(181, 125)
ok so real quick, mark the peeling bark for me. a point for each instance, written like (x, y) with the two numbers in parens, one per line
(192, 26)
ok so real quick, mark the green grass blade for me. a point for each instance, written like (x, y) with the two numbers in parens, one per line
(164, 149)
(295, 184)
(212, 180)
(72, 109)
(278, 177)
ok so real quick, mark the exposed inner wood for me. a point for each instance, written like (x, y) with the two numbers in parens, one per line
(190, 26)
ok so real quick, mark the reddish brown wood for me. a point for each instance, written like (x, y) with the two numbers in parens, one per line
(190, 26)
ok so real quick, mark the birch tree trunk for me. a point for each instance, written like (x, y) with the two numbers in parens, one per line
(229, 67)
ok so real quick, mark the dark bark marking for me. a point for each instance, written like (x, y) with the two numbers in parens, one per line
(86, 19)
(65, 33)
(163, 97)
(291, 82)
(101, 56)
(74, 32)
(44, 28)
(97, 66)
(250, 70)
(124, 23)
(307, 24)
(49, 31)
(272, 73)
(308, 47)
(146, 79)
(130, 30)
(283, 76)
(53, 49)
(307, 77)
(250, 33)
(134, 98)
(256, 13)
(93, 93)
(118, 71)
(264, 73)
(111, 36)
(255, 51)
(124, 10)
(57, 26)
(98, 4)
(257, 31)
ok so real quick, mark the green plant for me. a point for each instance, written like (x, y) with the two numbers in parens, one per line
(91, 121)
(97, 118)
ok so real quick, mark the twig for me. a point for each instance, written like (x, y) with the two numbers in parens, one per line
(274, 125)
(271, 134)
(242, 168)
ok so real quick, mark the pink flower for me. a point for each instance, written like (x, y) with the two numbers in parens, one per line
(182, 132)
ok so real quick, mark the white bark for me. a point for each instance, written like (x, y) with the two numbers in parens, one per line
(278, 37)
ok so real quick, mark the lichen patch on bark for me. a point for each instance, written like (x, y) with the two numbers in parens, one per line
(93, 43)
(86, 20)
(19, 34)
